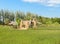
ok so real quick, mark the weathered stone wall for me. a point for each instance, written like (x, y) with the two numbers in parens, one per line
(25, 24)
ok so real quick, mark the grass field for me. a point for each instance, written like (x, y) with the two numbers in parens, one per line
(43, 35)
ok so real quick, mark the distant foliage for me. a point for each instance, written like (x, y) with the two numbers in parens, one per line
(6, 16)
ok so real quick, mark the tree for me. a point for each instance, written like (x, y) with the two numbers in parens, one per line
(3, 15)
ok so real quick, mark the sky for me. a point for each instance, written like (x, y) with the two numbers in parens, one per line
(47, 8)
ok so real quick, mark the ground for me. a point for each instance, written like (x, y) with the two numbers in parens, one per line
(42, 35)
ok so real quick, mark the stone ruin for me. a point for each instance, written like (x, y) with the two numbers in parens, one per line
(25, 24)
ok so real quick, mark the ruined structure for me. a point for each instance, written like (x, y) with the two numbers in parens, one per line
(25, 24)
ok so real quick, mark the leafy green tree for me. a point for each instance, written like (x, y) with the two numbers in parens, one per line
(28, 16)
(3, 15)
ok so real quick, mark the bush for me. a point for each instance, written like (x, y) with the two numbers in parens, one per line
(18, 21)
(6, 21)
(1, 22)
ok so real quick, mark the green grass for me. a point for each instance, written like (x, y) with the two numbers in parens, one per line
(9, 35)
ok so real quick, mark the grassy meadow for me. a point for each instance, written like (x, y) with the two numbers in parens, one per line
(42, 35)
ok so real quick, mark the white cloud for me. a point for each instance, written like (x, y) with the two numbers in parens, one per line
(45, 2)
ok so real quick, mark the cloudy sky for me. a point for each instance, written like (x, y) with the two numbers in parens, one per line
(47, 8)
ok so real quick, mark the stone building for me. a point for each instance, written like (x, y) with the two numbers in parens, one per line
(25, 24)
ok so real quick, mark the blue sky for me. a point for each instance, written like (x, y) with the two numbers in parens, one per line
(47, 8)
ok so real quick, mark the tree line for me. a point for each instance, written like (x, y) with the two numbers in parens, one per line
(6, 16)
